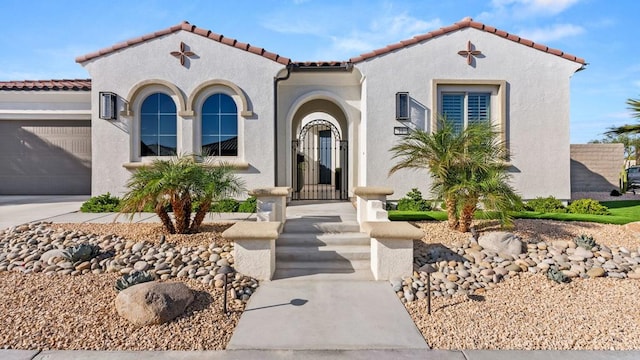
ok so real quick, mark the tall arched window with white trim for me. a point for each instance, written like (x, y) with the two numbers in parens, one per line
(158, 126)
(219, 126)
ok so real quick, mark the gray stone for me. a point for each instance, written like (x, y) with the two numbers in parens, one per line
(141, 265)
(137, 247)
(55, 253)
(501, 242)
(153, 302)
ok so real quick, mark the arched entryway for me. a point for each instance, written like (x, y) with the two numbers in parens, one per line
(320, 156)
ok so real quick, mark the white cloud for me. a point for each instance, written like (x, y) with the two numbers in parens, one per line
(521, 9)
(294, 26)
(381, 32)
(552, 33)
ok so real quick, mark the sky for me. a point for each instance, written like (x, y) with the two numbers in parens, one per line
(40, 39)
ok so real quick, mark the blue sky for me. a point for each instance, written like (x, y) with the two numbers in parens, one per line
(40, 39)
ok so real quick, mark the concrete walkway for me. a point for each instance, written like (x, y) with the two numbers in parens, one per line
(16, 210)
(325, 314)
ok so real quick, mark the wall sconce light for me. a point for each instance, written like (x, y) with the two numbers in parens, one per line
(108, 101)
(402, 106)
(400, 130)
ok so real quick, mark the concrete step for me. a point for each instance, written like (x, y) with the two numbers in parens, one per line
(322, 239)
(323, 274)
(326, 266)
(312, 226)
(324, 253)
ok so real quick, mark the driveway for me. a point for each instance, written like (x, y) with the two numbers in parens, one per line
(18, 209)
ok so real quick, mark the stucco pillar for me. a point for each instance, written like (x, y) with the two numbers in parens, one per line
(371, 202)
(392, 248)
(271, 203)
(254, 248)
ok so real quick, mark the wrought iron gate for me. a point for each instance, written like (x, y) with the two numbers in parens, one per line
(319, 163)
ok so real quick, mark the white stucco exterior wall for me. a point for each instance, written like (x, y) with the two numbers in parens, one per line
(120, 72)
(537, 93)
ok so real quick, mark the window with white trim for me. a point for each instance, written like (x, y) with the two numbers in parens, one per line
(219, 126)
(158, 126)
(465, 108)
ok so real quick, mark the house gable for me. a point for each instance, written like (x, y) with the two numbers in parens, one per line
(465, 23)
(185, 26)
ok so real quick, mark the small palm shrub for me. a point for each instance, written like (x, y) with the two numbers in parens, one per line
(180, 182)
(588, 206)
(585, 241)
(225, 206)
(101, 203)
(249, 205)
(414, 202)
(546, 205)
(135, 277)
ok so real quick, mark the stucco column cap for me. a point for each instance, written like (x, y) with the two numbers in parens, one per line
(372, 190)
(270, 191)
(262, 230)
(392, 230)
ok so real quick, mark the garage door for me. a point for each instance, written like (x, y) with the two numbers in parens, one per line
(45, 157)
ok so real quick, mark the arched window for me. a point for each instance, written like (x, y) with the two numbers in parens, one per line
(219, 126)
(158, 123)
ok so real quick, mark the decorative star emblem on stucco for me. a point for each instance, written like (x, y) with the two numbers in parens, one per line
(183, 54)
(470, 53)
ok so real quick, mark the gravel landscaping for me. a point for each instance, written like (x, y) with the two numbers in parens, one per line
(48, 302)
(501, 303)
(495, 302)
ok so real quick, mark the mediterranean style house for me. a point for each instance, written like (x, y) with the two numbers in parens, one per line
(321, 128)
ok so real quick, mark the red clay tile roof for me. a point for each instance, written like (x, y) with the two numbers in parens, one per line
(47, 85)
(191, 28)
(465, 23)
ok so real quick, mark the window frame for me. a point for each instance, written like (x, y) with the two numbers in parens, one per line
(498, 100)
(136, 138)
(197, 125)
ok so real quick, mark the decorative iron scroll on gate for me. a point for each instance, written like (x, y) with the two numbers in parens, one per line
(319, 168)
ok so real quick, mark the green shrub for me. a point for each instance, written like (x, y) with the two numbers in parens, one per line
(225, 206)
(414, 202)
(248, 206)
(588, 206)
(546, 205)
(585, 241)
(101, 203)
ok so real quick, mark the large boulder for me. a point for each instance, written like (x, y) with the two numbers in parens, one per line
(501, 242)
(153, 302)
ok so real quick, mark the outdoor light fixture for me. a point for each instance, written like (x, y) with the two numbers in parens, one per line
(108, 102)
(429, 269)
(402, 106)
(226, 270)
(400, 130)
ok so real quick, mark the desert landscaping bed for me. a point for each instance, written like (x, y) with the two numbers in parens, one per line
(61, 307)
(526, 310)
(521, 311)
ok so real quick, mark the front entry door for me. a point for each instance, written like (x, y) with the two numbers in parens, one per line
(324, 156)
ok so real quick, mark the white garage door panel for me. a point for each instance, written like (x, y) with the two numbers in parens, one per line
(45, 157)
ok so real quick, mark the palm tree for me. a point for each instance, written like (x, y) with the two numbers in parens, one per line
(179, 183)
(466, 168)
(634, 106)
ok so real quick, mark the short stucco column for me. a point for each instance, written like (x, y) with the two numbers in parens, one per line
(254, 248)
(371, 202)
(271, 203)
(392, 248)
